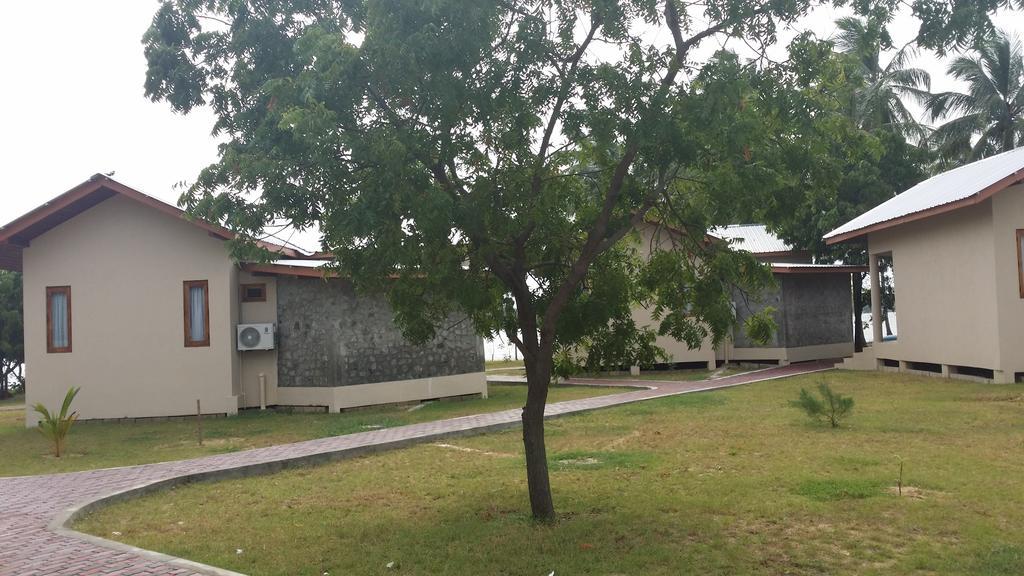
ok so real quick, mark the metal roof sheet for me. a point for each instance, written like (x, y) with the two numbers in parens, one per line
(806, 265)
(803, 268)
(754, 238)
(949, 187)
(301, 263)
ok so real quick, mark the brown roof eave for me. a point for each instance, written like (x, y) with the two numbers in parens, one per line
(286, 270)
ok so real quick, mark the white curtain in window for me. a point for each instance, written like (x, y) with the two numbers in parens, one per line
(197, 313)
(59, 319)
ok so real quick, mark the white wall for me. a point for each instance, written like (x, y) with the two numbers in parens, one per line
(1007, 218)
(945, 286)
(255, 362)
(126, 264)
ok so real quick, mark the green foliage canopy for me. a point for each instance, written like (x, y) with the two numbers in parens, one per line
(473, 156)
(846, 166)
(489, 157)
(12, 344)
(987, 118)
(880, 90)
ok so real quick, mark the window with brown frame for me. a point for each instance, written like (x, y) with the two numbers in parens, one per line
(58, 319)
(1020, 261)
(254, 292)
(197, 313)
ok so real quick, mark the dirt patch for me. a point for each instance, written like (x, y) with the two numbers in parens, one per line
(63, 455)
(588, 461)
(233, 442)
(912, 492)
(472, 450)
(619, 441)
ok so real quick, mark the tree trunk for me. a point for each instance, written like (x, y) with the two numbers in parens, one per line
(858, 305)
(5, 377)
(538, 377)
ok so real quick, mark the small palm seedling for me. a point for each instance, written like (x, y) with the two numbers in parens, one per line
(56, 426)
(831, 407)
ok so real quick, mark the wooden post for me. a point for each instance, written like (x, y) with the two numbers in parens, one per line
(199, 421)
(876, 301)
(900, 482)
(263, 391)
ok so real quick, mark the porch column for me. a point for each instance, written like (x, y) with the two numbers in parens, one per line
(876, 300)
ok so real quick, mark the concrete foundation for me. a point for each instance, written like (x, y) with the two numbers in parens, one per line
(340, 397)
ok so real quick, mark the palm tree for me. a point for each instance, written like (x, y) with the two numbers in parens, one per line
(878, 102)
(990, 114)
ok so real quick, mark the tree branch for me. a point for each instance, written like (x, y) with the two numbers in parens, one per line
(556, 110)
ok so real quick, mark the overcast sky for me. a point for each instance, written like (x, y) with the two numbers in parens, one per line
(73, 101)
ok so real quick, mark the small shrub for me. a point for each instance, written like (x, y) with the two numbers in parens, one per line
(56, 426)
(831, 407)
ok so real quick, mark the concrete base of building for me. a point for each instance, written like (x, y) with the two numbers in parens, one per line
(784, 356)
(165, 409)
(867, 360)
(863, 360)
(340, 397)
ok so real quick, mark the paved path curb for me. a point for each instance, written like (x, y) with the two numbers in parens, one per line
(35, 510)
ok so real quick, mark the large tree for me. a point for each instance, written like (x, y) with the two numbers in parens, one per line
(879, 90)
(987, 118)
(12, 344)
(857, 124)
(490, 157)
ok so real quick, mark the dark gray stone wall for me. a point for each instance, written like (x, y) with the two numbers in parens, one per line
(329, 336)
(819, 309)
(811, 309)
(747, 307)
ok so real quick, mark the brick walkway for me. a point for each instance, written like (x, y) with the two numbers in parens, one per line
(34, 509)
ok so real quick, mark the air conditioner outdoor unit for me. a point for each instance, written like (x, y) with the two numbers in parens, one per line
(255, 337)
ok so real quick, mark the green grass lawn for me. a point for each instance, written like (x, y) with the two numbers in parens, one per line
(505, 368)
(106, 444)
(668, 375)
(498, 364)
(14, 400)
(728, 482)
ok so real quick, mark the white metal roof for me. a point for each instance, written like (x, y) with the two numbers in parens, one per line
(952, 186)
(802, 268)
(754, 238)
(301, 263)
(809, 266)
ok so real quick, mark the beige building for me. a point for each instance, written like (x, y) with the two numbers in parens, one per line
(148, 314)
(953, 245)
(812, 302)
